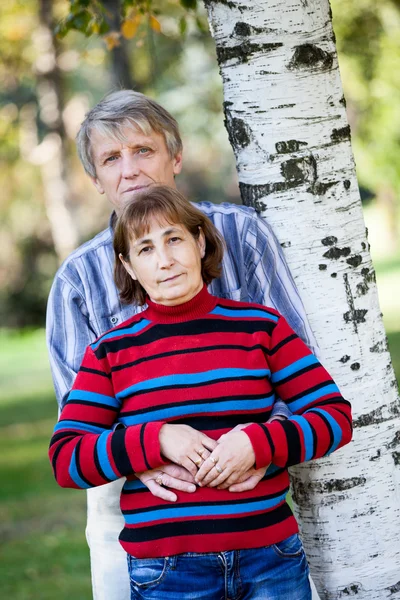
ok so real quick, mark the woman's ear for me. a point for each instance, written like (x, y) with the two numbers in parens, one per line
(201, 241)
(128, 267)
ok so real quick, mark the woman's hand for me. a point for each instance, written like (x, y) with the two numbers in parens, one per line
(185, 446)
(169, 476)
(231, 459)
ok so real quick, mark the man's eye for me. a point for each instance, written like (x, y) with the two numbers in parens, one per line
(110, 158)
(174, 239)
(144, 150)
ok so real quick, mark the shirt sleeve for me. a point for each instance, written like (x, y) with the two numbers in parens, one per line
(321, 417)
(85, 449)
(68, 333)
(269, 279)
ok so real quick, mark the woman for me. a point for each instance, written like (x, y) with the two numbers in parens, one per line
(176, 383)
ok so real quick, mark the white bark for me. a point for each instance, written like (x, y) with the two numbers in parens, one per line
(287, 122)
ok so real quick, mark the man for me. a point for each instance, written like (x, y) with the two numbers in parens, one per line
(126, 143)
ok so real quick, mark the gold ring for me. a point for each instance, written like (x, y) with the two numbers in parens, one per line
(197, 462)
(159, 480)
(200, 452)
(218, 469)
(213, 459)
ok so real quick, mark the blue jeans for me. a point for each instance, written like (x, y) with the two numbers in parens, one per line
(277, 572)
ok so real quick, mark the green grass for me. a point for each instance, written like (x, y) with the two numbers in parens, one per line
(43, 553)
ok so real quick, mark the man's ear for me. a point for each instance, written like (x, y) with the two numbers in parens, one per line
(201, 241)
(97, 184)
(128, 267)
(177, 163)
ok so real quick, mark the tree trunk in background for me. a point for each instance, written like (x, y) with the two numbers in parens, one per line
(286, 118)
(51, 154)
(120, 67)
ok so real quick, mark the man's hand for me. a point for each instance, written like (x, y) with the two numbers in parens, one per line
(246, 483)
(169, 476)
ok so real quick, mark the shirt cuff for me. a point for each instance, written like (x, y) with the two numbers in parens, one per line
(262, 444)
(280, 409)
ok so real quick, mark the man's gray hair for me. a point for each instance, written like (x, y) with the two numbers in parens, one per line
(122, 109)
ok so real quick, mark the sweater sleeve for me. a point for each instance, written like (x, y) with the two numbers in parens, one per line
(321, 419)
(88, 448)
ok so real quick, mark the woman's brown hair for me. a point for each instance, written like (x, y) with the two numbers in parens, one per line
(169, 205)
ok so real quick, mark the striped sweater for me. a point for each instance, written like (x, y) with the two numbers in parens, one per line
(211, 364)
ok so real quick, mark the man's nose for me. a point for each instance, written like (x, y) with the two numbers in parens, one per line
(130, 166)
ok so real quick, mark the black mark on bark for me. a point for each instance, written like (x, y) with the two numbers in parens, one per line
(380, 347)
(350, 590)
(251, 195)
(345, 359)
(302, 489)
(393, 589)
(341, 135)
(395, 441)
(343, 101)
(288, 106)
(223, 2)
(298, 170)
(376, 416)
(286, 244)
(242, 29)
(238, 132)
(396, 459)
(355, 366)
(319, 188)
(346, 184)
(354, 315)
(329, 241)
(336, 253)
(376, 457)
(242, 52)
(309, 56)
(289, 146)
(354, 261)
(322, 267)
(334, 275)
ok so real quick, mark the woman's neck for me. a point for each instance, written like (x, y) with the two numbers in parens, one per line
(201, 304)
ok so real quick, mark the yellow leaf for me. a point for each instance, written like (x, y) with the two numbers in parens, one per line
(111, 40)
(129, 28)
(154, 24)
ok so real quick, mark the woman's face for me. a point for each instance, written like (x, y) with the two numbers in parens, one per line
(167, 262)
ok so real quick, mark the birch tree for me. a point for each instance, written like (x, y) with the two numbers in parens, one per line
(286, 119)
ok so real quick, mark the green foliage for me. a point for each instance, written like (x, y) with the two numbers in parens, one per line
(368, 41)
(90, 17)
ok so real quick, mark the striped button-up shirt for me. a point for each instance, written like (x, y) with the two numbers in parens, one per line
(84, 301)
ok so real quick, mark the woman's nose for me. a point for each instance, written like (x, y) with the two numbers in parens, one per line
(165, 258)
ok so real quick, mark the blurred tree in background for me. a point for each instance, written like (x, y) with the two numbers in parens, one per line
(162, 49)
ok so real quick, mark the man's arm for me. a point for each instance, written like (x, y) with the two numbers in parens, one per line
(68, 333)
(269, 279)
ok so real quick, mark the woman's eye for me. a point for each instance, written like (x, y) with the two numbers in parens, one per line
(145, 250)
(110, 158)
(174, 239)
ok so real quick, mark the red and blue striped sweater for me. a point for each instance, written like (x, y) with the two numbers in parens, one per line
(212, 364)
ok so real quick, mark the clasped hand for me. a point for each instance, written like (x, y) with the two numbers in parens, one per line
(191, 450)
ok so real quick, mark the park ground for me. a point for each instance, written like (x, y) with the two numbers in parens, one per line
(43, 551)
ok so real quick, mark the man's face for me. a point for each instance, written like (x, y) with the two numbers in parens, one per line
(125, 168)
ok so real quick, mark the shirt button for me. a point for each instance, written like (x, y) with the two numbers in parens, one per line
(114, 320)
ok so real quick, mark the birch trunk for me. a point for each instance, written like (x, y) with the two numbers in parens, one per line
(285, 115)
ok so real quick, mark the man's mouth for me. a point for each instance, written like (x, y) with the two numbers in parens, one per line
(135, 189)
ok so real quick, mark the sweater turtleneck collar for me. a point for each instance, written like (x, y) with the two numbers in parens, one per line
(195, 308)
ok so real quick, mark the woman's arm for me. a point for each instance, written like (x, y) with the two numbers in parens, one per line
(321, 421)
